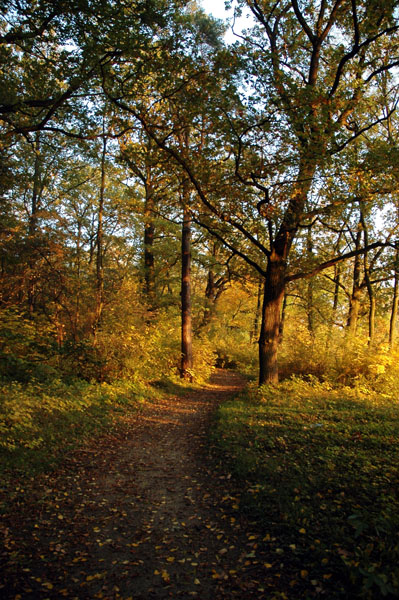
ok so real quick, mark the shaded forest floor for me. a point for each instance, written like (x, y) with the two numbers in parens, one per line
(141, 513)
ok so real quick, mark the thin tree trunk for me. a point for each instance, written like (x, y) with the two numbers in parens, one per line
(309, 291)
(395, 302)
(283, 315)
(186, 324)
(255, 331)
(372, 309)
(100, 246)
(337, 281)
(354, 303)
(149, 232)
(76, 316)
(33, 224)
(209, 295)
(367, 279)
(213, 291)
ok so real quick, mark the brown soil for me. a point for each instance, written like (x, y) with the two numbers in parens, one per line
(140, 514)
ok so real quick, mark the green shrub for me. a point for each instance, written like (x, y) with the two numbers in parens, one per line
(27, 348)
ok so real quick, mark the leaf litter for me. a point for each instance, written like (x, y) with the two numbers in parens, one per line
(143, 513)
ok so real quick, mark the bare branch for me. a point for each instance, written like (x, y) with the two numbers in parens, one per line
(334, 261)
(303, 23)
(363, 130)
(357, 48)
(17, 35)
(161, 143)
(227, 244)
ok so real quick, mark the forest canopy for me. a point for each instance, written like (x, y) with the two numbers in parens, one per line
(170, 202)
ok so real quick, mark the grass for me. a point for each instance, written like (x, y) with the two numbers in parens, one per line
(40, 422)
(319, 469)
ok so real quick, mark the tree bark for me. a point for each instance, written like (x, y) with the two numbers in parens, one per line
(100, 246)
(282, 322)
(354, 303)
(271, 319)
(255, 331)
(186, 323)
(33, 224)
(149, 232)
(367, 279)
(215, 286)
(337, 281)
(310, 286)
(274, 287)
(395, 302)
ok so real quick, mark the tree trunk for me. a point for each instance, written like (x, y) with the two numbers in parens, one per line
(76, 316)
(354, 303)
(282, 322)
(186, 324)
(213, 291)
(367, 278)
(255, 331)
(149, 231)
(210, 299)
(33, 225)
(310, 286)
(100, 246)
(372, 317)
(274, 287)
(395, 302)
(271, 320)
(337, 281)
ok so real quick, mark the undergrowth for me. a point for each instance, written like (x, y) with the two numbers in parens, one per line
(320, 466)
(39, 422)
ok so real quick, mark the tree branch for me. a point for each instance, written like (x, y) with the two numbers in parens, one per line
(333, 261)
(161, 143)
(303, 22)
(227, 244)
(355, 51)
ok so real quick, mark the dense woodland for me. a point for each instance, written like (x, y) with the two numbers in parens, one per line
(171, 202)
(168, 200)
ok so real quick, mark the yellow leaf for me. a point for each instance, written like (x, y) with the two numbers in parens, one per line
(171, 559)
(197, 581)
(302, 530)
(165, 575)
(268, 565)
(304, 573)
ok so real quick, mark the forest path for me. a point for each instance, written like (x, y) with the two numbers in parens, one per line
(140, 514)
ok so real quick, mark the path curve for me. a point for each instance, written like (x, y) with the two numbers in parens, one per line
(142, 515)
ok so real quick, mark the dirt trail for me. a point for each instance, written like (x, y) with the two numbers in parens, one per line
(141, 515)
